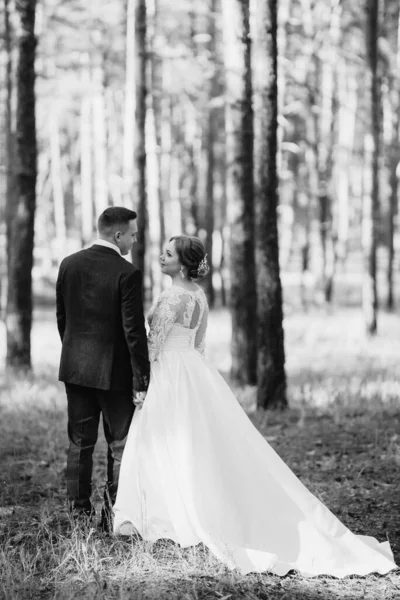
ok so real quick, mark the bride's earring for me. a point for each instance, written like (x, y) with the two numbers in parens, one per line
(182, 273)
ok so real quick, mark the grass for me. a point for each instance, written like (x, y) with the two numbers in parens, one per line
(341, 436)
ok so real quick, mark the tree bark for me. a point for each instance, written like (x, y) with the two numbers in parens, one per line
(9, 147)
(308, 176)
(369, 296)
(371, 191)
(193, 140)
(130, 106)
(173, 209)
(193, 143)
(166, 155)
(140, 195)
(99, 137)
(240, 189)
(284, 10)
(157, 95)
(271, 354)
(87, 213)
(312, 81)
(326, 141)
(56, 180)
(211, 158)
(19, 301)
(224, 228)
(209, 217)
(394, 162)
(393, 209)
(153, 200)
(347, 111)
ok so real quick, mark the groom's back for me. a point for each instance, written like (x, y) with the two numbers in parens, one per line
(90, 290)
(94, 352)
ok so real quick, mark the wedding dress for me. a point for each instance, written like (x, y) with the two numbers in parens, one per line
(195, 469)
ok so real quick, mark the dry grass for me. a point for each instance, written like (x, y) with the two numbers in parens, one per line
(341, 437)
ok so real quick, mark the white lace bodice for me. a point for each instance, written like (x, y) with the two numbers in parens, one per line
(177, 307)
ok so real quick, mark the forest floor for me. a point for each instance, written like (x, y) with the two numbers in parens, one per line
(341, 436)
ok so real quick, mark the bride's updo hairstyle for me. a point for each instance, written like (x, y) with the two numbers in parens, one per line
(192, 255)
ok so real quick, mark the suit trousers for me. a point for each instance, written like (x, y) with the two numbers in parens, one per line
(85, 405)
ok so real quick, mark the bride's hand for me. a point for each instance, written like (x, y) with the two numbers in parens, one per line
(138, 398)
(150, 315)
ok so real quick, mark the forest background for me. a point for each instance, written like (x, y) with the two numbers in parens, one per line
(271, 130)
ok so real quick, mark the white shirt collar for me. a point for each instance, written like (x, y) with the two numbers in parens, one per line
(106, 244)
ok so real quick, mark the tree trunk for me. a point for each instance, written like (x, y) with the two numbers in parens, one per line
(312, 82)
(370, 296)
(157, 94)
(99, 138)
(371, 190)
(193, 145)
(308, 172)
(9, 147)
(140, 199)
(347, 110)
(19, 301)
(130, 107)
(211, 159)
(284, 9)
(171, 163)
(209, 216)
(166, 155)
(173, 210)
(328, 245)
(292, 224)
(115, 180)
(224, 228)
(271, 354)
(192, 129)
(240, 189)
(86, 171)
(326, 141)
(393, 208)
(153, 198)
(56, 180)
(394, 162)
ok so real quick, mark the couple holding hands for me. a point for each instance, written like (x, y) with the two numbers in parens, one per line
(184, 461)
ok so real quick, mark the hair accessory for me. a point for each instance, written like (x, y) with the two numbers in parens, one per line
(203, 267)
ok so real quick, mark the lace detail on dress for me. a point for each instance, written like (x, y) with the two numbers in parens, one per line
(187, 316)
(200, 339)
(201, 346)
(175, 306)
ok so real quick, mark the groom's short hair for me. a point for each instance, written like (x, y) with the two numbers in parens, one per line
(114, 217)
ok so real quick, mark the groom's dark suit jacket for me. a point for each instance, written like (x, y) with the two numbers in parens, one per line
(100, 321)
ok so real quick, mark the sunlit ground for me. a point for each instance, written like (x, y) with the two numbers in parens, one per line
(326, 346)
(329, 357)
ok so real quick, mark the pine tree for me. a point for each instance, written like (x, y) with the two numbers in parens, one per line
(21, 240)
(271, 377)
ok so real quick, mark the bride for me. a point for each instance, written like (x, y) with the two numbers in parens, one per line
(196, 470)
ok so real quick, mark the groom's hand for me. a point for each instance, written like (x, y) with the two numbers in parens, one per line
(138, 398)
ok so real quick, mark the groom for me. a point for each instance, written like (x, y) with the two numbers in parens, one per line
(104, 358)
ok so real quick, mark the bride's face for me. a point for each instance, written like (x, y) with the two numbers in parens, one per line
(169, 260)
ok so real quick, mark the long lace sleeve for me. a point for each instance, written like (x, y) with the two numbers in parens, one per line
(167, 311)
(200, 340)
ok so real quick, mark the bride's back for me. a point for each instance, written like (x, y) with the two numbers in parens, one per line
(192, 310)
(177, 310)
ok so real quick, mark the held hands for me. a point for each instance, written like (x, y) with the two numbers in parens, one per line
(138, 398)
